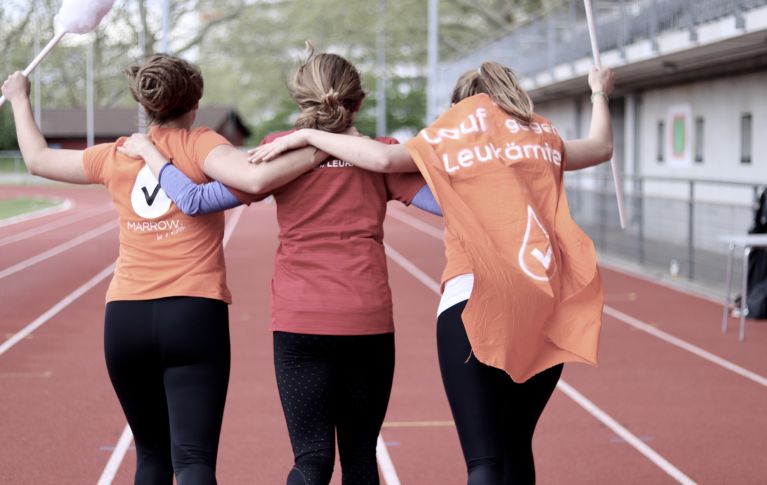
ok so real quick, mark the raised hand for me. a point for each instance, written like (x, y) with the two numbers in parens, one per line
(601, 80)
(16, 87)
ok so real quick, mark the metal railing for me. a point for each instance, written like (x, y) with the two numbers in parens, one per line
(559, 36)
(673, 223)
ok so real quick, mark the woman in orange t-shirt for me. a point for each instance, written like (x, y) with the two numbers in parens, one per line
(166, 332)
(481, 180)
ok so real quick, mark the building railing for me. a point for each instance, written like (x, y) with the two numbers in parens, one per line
(560, 35)
(673, 223)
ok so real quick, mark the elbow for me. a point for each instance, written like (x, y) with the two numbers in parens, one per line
(384, 161)
(384, 164)
(32, 166)
(256, 185)
(607, 152)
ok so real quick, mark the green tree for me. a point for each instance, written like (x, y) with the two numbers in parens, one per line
(247, 48)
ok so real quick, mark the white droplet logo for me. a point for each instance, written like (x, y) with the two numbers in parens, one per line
(147, 198)
(536, 257)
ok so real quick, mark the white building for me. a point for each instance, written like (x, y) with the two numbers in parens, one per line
(689, 112)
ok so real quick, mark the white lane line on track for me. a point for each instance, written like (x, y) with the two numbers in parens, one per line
(645, 327)
(65, 205)
(85, 237)
(55, 309)
(416, 223)
(684, 345)
(117, 457)
(36, 231)
(115, 460)
(384, 462)
(608, 421)
(621, 431)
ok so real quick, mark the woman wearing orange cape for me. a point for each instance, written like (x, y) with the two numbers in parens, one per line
(521, 288)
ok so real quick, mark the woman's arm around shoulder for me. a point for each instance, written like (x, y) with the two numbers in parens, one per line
(362, 152)
(230, 166)
(191, 198)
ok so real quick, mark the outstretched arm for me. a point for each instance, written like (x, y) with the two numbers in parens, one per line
(362, 152)
(230, 166)
(61, 165)
(598, 147)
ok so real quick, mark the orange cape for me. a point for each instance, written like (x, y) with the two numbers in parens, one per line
(537, 297)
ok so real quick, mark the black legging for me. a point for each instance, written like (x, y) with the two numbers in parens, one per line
(334, 384)
(495, 417)
(168, 360)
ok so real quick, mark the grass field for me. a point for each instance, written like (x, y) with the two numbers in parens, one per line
(22, 205)
(12, 165)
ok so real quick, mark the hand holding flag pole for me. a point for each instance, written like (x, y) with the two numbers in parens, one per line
(76, 17)
(597, 62)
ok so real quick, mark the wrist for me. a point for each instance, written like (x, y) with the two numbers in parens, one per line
(598, 93)
(18, 101)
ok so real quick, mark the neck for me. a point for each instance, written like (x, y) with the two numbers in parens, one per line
(177, 123)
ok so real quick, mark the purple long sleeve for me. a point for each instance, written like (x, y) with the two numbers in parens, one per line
(195, 199)
(425, 200)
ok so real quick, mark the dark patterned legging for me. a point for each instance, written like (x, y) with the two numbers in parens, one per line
(495, 416)
(334, 385)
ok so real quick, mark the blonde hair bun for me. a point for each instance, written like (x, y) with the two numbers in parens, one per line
(328, 91)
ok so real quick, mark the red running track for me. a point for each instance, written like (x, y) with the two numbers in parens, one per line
(692, 398)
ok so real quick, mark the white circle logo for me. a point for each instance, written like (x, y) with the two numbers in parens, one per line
(147, 198)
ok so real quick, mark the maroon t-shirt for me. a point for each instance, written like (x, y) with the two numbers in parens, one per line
(330, 275)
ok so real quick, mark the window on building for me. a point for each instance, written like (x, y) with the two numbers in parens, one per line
(699, 140)
(661, 141)
(746, 122)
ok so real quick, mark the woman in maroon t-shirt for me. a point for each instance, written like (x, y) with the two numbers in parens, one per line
(331, 302)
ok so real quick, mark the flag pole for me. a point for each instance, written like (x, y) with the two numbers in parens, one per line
(613, 164)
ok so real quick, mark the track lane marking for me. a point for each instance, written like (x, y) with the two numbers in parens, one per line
(684, 345)
(117, 456)
(633, 322)
(569, 391)
(624, 433)
(56, 250)
(63, 206)
(36, 231)
(385, 464)
(55, 309)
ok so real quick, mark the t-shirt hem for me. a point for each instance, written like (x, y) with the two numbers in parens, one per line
(330, 330)
(153, 296)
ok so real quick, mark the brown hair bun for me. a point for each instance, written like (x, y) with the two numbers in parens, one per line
(166, 86)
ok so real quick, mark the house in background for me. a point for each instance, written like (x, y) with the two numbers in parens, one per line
(66, 127)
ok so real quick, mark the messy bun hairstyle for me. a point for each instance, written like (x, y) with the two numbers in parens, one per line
(498, 82)
(328, 90)
(166, 86)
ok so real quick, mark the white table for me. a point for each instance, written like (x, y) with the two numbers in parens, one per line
(747, 242)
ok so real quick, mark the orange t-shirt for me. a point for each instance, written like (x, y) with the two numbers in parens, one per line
(537, 295)
(162, 251)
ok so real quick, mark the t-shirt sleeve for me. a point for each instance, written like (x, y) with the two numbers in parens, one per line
(205, 141)
(402, 186)
(95, 162)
